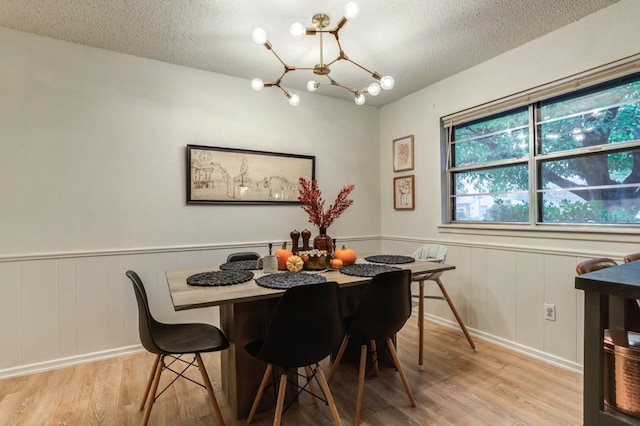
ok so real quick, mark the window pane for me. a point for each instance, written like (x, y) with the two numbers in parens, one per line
(613, 205)
(492, 208)
(499, 179)
(601, 117)
(592, 170)
(499, 146)
(499, 137)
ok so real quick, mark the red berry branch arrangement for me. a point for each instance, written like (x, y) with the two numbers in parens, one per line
(313, 204)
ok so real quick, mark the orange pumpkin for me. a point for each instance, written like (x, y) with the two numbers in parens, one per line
(335, 263)
(347, 255)
(283, 255)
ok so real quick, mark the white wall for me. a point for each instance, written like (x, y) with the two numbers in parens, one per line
(503, 278)
(93, 151)
(92, 172)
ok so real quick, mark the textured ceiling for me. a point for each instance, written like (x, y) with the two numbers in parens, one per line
(418, 42)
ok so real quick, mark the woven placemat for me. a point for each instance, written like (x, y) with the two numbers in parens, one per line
(219, 278)
(389, 259)
(366, 269)
(242, 265)
(289, 279)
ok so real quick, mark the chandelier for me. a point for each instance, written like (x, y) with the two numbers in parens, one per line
(320, 21)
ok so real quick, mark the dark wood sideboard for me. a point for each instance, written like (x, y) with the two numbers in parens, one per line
(606, 305)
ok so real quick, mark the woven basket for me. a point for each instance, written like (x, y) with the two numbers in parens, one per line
(622, 371)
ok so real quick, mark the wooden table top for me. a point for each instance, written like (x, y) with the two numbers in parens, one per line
(186, 296)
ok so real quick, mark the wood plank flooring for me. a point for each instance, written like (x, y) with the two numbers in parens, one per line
(493, 386)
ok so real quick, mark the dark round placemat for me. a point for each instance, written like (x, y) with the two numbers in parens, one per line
(389, 258)
(289, 279)
(366, 269)
(242, 265)
(219, 278)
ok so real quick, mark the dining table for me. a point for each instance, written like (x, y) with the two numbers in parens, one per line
(245, 311)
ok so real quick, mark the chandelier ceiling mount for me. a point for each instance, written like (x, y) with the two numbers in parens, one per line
(320, 22)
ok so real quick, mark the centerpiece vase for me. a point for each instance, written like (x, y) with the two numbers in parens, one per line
(323, 241)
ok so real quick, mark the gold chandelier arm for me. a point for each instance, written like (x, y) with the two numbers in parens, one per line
(284, 64)
(360, 66)
(335, 83)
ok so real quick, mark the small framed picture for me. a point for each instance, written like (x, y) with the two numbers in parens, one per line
(403, 154)
(404, 193)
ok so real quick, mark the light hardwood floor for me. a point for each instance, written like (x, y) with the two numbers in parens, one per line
(493, 386)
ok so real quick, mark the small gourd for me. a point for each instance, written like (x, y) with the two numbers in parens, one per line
(347, 255)
(283, 255)
(335, 263)
(295, 263)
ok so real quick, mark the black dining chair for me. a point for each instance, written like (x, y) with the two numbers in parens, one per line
(243, 255)
(306, 327)
(383, 310)
(170, 342)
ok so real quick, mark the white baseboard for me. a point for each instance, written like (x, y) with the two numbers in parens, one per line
(525, 350)
(69, 361)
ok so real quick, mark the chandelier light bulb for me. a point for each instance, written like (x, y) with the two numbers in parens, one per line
(351, 10)
(359, 99)
(257, 84)
(297, 31)
(312, 86)
(387, 82)
(259, 36)
(373, 89)
(294, 99)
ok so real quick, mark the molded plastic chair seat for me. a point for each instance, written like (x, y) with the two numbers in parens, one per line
(306, 327)
(383, 310)
(434, 253)
(169, 340)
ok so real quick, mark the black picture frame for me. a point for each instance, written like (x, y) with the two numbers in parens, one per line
(218, 175)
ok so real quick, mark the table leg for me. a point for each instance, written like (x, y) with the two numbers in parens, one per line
(242, 374)
(421, 327)
(595, 320)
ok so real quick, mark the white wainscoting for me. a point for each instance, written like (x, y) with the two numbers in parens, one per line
(57, 311)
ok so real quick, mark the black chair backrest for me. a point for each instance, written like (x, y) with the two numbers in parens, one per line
(384, 308)
(245, 255)
(146, 322)
(306, 326)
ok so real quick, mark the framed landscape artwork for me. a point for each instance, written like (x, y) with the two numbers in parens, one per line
(404, 193)
(237, 176)
(403, 154)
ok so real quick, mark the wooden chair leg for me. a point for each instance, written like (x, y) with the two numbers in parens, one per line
(336, 362)
(256, 401)
(396, 361)
(361, 373)
(152, 375)
(312, 387)
(154, 389)
(455, 313)
(374, 357)
(207, 384)
(327, 394)
(421, 327)
(277, 419)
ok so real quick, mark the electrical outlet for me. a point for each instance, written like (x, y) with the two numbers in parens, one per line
(549, 311)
